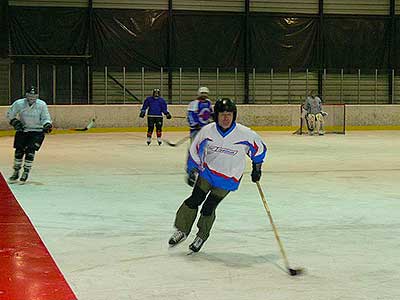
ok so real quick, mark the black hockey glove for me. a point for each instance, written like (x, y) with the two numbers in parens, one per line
(192, 177)
(17, 124)
(168, 115)
(47, 128)
(256, 172)
(197, 127)
(142, 113)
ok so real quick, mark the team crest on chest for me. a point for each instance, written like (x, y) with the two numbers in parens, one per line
(223, 150)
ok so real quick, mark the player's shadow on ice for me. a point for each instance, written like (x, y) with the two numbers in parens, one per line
(236, 259)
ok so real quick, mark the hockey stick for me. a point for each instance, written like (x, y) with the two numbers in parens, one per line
(178, 143)
(292, 272)
(88, 126)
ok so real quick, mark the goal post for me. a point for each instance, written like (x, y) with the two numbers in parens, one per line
(334, 122)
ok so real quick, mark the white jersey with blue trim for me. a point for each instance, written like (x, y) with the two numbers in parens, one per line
(199, 113)
(220, 156)
(32, 116)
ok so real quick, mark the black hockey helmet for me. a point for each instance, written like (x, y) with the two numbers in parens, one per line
(225, 104)
(156, 92)
(32, 90)
(31, 94)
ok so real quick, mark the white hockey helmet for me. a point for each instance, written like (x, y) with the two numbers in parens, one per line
(203, 91)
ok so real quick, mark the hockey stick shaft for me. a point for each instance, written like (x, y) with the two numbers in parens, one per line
(273, 225)
(181, 141)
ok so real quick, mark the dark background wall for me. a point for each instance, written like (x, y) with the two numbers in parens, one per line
(312, 34)
(154, 38)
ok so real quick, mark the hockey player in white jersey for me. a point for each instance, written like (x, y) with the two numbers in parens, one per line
(199, 112)
(314, 114)
(31, 120)
(216, 162)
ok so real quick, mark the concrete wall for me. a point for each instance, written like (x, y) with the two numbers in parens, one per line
(76, 116)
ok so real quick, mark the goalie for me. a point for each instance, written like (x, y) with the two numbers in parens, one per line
(313, 115)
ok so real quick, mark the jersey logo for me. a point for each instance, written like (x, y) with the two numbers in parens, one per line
(204, 115)
(223, 150)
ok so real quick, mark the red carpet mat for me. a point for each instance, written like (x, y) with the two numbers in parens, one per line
(27, 270)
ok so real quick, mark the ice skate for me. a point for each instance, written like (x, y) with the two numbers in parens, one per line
(159, 141)
(24, 177)
(14, 177)
(197, 244)
(177, 238)
(148, 141)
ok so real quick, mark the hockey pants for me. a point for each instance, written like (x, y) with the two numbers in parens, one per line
(210, 197)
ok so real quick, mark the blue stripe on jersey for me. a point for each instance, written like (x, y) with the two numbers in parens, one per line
(191, 164)
(193, 119)
(260, 158)
(201, 147)
(220, 180)
(253, 148)
(225, 133)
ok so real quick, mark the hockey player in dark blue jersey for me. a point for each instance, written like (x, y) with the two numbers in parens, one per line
(199, 111)
(155, 106)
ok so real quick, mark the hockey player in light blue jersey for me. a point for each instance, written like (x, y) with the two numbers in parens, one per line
(216, 162)
(31, 120)
(199, 111)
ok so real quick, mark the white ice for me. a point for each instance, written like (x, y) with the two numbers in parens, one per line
(104, 204)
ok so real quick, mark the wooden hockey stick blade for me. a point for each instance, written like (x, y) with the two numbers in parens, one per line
(90, 125)
(79, 129)
(170, 143)
(295, 272)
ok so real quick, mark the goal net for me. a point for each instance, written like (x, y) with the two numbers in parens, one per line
(334, 122)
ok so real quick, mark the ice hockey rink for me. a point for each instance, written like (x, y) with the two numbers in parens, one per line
(104, 205)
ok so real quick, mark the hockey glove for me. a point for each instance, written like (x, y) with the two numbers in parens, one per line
(196, 127)
(47, 128)
(142, 113)
(17, 124)
(256, 172)
(192, 177)
(168, 115)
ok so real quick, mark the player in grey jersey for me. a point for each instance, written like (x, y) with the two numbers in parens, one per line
(313, 114)
(31, 120)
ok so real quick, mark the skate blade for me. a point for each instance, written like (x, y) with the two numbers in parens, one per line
(174, 246)
(12, 181)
